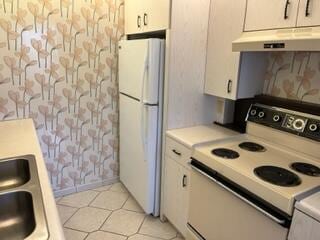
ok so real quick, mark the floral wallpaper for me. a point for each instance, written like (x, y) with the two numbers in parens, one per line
(294, 75)
(58, 66)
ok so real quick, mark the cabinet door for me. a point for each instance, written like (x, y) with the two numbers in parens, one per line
(156, 15)
(171, 188)
(271, 14)
(133, 16)
(309, 13)
(176, 194)
(304, 227)
(183, 208)
(225, 25)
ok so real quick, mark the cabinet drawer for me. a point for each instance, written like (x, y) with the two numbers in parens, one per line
(178, 152)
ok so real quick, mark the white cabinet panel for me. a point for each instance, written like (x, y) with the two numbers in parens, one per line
(309, 13)
(304, 227)
(133, 16)
(186, 58)
(271, 14)
(178, 152)
(229, 74)
(172, 184)
(146, 15)
(176, 194)
(156, 16)
(225, 25)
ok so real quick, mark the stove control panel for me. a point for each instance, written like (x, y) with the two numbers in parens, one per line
(295, 123)
(301, 124)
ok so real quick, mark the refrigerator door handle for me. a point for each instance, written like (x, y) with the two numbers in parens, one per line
(144, 131)
(144, 106)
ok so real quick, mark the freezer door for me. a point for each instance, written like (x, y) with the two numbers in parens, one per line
(138, 147)
(139, 68)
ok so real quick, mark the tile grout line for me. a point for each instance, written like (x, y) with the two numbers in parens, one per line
(70, 217)
(122, 235)
(106, 220)
(149, 235)
(93, 199)
(125, 201)
(76, 230)
(127, 237)
(88, 205)
(145, 217)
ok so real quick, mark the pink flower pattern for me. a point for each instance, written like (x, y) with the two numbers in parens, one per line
(58, 68)
(294, 75)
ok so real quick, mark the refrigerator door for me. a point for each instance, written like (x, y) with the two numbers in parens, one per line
(139, 64)
(138, 150)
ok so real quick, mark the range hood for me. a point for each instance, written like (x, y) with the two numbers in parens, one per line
(294, 39)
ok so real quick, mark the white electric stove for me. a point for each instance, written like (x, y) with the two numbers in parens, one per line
(245, 187)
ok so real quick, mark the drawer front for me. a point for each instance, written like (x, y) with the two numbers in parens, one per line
(178, 152)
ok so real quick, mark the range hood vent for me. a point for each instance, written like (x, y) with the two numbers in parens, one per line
(294, 39)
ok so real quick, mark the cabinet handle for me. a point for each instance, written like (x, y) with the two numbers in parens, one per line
(176, 152)
(139, 21)
(145, 19)
(184, 181)
(286, 16)
(229, 88)
(308, 8)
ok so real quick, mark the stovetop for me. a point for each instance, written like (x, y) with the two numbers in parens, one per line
(271, 171)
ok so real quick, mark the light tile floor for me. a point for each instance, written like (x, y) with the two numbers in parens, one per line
(109, 213)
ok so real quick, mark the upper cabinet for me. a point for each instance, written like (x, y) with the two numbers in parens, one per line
(309, 13)
(271, 14)
(157, 14)
(225, 25)
(229, 74)
(277, 14)
(146, 15)
(133, 17)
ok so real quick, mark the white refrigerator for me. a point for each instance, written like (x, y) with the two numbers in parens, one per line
(141, 68)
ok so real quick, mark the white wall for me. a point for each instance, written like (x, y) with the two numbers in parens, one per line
(187, 105)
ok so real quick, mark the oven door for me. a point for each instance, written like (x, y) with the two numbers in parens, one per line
(219, 212)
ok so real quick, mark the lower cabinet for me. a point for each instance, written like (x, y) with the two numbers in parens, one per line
(304, 227)
(176, 192)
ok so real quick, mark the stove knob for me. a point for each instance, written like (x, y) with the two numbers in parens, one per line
(261, 115)
(299, 124)
(253, 112)
(313, 127)
(276, 118)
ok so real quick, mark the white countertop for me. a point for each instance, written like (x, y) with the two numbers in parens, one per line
(310, 206)
(19, 138)
(199, 134)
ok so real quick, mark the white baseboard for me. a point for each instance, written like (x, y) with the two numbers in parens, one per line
(85, 187)
(64, 192)
(110, 181)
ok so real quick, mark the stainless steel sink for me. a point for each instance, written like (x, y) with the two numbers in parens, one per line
(17, 220)
(14, 173)
(22, 214)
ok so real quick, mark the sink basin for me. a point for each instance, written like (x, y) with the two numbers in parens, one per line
(14, 173)
(22, 213)
(17, 219)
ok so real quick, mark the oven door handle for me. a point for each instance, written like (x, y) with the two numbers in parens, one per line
(275, 219)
